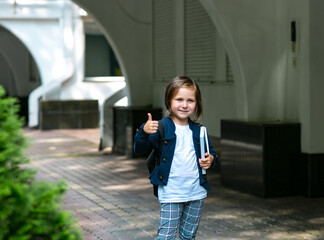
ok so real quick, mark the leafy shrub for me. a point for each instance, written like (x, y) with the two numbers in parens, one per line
(29, 209)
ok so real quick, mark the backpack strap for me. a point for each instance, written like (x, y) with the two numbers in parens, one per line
(161, 136)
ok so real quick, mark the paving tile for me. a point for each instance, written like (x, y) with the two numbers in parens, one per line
(111, 197)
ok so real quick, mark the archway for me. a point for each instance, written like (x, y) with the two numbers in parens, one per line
(124, 26)
(19, 74)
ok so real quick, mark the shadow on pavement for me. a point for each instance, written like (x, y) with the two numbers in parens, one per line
(112, 198)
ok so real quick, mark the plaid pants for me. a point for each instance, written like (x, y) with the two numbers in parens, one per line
(186, 215)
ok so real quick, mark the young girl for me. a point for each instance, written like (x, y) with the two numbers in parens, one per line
(181, 185)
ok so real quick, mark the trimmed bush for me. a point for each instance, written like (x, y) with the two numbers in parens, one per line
(29, 209)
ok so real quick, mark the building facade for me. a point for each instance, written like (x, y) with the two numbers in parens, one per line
(256, 62)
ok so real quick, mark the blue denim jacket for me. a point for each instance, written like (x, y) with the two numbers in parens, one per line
(144, 143)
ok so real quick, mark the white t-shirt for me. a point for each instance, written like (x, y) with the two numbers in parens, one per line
(183, 183)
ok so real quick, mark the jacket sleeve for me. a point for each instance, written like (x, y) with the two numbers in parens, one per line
(212, 152)
(143, 142)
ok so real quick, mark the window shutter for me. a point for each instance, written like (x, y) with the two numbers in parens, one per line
(199, 43)
(164, 40)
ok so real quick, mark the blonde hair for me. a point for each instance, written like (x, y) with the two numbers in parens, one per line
(174, 86)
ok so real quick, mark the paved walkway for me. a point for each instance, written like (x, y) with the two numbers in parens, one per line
(112, 199)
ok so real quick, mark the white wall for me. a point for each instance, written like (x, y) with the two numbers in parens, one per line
(52, 32)
(271, 81)
(43, 30)
(46, 31)
(127, 26)
(316, 84)
(279, 83)
(219, 99)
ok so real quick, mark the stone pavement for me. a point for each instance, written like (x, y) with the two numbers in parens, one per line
(112, 199)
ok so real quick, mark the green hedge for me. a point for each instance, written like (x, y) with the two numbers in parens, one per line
(29, 209)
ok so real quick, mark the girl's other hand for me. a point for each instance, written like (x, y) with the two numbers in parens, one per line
(206, 162)
(151, 126)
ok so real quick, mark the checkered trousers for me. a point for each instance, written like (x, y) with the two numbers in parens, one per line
(184, 215)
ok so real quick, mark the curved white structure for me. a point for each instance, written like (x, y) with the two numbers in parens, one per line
(52, 31)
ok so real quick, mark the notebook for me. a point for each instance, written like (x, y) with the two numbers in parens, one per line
(204, 146)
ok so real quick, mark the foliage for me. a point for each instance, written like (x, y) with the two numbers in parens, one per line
(29, 209)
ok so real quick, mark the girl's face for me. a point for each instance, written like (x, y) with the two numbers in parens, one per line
(183, 104)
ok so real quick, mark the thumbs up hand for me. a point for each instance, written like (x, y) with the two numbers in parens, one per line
(151, 126)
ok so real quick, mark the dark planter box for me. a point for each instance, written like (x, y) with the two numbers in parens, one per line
(311, 182)
(68, 114)
(260, 158)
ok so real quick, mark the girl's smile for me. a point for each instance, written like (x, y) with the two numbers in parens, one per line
(183, 104)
